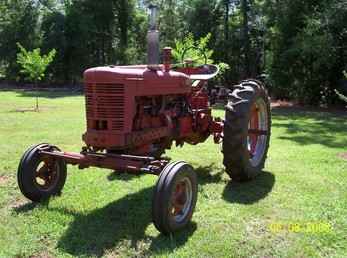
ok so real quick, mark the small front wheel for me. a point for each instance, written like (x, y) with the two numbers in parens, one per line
(39, 176)
(175, 197)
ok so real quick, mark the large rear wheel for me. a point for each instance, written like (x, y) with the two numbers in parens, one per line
(247, 130)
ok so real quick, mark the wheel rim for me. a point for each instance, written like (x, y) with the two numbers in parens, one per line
(181, 200)
(258, 128)
(47, 174)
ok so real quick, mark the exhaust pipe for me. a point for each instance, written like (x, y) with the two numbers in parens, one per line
(153, 40)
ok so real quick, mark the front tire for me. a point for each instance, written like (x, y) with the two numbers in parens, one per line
(247, 130)
(175, 197)
(40, 177)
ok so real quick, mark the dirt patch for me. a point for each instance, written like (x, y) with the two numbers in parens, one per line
(343, 155)
(21, 205)
(24, 110)
(41, 255)
(4, 180)
(34, 110)
(283, 103)
(294, 106)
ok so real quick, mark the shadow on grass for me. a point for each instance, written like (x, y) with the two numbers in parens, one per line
(122, 176)
(206, 177)
(48, 94)
(235, 192)
(306, 127)
(249, 192)
(126, 219)
(29, 206)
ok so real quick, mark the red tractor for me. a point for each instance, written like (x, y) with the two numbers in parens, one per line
(135, 113)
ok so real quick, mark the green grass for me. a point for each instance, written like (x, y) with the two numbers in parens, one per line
(101, 215)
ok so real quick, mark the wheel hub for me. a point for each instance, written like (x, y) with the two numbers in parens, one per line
(257, 132)
(181, 199)
(46, 175)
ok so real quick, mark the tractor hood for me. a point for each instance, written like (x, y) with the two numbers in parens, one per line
(121, 74)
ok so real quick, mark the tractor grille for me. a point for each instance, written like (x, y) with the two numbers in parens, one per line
(105, 106)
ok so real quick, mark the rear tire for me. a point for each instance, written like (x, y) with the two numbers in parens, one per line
(244, 147)
(40, 178)
(175, 197)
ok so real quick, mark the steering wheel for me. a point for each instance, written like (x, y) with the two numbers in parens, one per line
(208, 70)
(197, 48)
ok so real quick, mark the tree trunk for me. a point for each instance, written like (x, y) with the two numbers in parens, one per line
(246, 43)
(37, 96)
(226, 21)
(123, 19)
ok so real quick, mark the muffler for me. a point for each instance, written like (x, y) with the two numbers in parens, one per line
(153, 40)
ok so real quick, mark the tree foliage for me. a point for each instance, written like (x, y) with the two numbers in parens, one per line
(196, 50)
(307, 49)
(33, 64)
(300, 45)
(18, 24)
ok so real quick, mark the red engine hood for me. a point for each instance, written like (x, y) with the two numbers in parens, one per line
(114, 74)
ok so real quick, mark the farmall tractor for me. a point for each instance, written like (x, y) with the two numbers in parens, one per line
(135, 113)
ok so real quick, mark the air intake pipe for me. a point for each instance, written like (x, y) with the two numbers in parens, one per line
(153, 39)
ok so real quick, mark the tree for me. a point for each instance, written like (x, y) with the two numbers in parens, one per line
(245, 35)
(18, 23)
(300, 45)
(34, 65)
(308, 50)
(192, 49)
(203, 17)
(53, 37)
(198, 51)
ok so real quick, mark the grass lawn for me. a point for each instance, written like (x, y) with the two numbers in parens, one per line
(296, 208)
